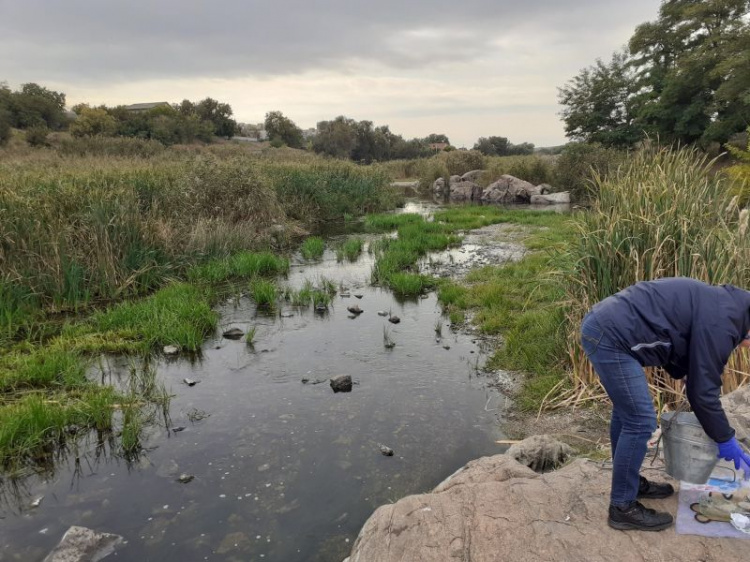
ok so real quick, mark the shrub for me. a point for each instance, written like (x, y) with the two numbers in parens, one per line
(37, 135)
(110, 146)
(533, 169)
(579, 165)
(740, 172)
(4, 127)
(459, 162)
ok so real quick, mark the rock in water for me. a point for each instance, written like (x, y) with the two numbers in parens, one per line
(355, 309)
(171, 350)
(394, 319)
(185, 478)
(359, 296)
(341, 383)
(382, 313)
(190, 382)
(540, 452)
(233, 334)
(387, 451)
(83, 545)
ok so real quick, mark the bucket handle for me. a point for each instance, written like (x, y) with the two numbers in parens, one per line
(666, 425)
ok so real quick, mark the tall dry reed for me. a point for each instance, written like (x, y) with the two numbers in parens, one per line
(664, 213)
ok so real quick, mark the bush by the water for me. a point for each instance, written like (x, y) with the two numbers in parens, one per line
(579, 164)
(458, 162)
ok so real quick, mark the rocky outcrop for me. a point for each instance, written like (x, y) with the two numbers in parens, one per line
(80, 544)
(495, 509)
(551, 199)
(509, 189)
(465, 191)
(474, 175)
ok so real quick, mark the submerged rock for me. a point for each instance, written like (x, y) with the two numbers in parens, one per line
(80, 544)
(184, 478)
(382, 313)
(540, 452)
(551, 198)
(233, 334)
(341, 383)
(394, 320)
(385, 450)
(355, 309)
(190, 382)
(358, 296)
(171, 350)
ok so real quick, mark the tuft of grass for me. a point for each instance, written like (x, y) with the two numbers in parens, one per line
(264, 294)
(390, 221)
(54, 368)
(350, 250)
(410, 284)
(439, 328)
(250, 335)
(388, 342)
(313, 248)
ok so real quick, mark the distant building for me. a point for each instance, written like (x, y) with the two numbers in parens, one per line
(438, 146)
(139, 107)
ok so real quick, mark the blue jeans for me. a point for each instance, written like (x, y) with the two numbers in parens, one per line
(633, 415)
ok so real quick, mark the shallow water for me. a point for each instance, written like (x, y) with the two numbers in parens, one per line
(284, 471)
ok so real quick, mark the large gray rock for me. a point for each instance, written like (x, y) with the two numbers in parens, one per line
(495, 509)
(341, 383)
(455, 179)
(465, 191)
(80, 544)
(474, 175)
(510, 189)
(438, 185)
(551, 198)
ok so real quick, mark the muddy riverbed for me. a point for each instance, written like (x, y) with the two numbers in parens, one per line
(283, 470)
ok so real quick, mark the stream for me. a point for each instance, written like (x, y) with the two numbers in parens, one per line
(284, 471)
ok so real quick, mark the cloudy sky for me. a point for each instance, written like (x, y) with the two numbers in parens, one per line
(468, 68)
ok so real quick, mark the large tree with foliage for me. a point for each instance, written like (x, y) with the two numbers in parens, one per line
(33, 106)
(685, 78)
(282, 129)
(500, 146)
(218, 113)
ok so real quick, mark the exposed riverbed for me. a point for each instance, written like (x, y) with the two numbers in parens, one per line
(283, 470)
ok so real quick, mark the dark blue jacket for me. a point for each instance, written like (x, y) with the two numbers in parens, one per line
(689, 328)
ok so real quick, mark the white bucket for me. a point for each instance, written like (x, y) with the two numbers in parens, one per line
(689, 454)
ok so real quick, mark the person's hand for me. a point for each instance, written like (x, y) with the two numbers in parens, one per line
(732, 451)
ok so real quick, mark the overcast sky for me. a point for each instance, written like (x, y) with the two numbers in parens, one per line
(468, 68)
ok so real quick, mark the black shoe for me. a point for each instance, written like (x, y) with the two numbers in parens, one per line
(654, 490)
(636, 517)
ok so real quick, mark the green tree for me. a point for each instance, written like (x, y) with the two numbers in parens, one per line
(436, 137)
(37, 136)
(93, 121)
(337, 138)
(598, 104)
(220, 114)
(4, 126)
(280, 127)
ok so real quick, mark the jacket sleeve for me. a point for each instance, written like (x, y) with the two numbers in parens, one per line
(710, 348)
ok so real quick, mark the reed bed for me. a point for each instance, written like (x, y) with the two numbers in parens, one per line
(664, 213)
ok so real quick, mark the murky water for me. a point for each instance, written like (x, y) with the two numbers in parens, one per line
(284, 471)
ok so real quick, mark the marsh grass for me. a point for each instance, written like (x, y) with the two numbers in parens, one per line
(664, 213)
(179, 314)
(243, 265)
(350, 250)
(264, 293)
(313, 248)
(250, 335)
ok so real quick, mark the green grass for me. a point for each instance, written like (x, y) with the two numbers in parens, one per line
(250, 335)
(180, 314)
(313, 248)
(410, 284)
(350, 250)
(55, 368)
(243, 265)
(264, 293)
(524, 302)
(390, 221)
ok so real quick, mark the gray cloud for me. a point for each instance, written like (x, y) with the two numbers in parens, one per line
(115, 41)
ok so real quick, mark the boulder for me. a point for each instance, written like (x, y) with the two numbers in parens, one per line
(341, 383)
(509, 189)
(540, 452)
(438, 185)
(80, 544)
(551, 199)
(474, 175)
(465, 191)
(496, 509)
(455, 179)
(545, 188)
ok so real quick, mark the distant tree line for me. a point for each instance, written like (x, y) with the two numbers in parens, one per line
(684, 78)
